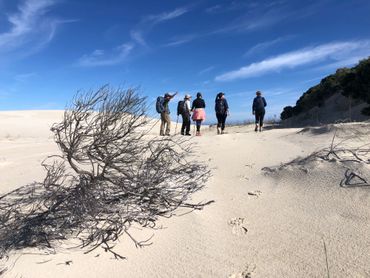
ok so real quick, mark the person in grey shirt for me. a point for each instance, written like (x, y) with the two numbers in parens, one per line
(165, 115)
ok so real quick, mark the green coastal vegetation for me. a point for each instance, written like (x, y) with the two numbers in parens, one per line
(352, 83)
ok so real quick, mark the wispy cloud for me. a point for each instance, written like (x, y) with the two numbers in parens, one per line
(316, 80)
(248, 23)
(214, 9)
(262, 14)
(277, 92)
(330, 52)
(158, 18)
(208, 69)
(263, 46)
(350, 61)
(29, 27)
(25, 76)
(150, 21)
(270, 92)
(257, 15)
(138, 37)
(241, 94)
(103, 58)
(179, 40)
(233, 6)
(121, 53)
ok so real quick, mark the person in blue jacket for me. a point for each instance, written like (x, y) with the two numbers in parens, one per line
(258, 108)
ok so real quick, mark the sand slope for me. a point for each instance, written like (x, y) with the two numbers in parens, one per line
(267, 225)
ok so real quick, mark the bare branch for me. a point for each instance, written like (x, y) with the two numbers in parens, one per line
(110, 175)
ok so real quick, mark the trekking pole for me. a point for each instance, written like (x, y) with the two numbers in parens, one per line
(177, 121)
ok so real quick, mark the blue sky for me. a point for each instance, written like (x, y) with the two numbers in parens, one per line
(50, 49)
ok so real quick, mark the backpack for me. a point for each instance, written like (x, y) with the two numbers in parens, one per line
(181, 107)
(159, 105)
(260, 104)
(220, 106)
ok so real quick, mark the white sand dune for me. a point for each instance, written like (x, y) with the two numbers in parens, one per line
(287, 223)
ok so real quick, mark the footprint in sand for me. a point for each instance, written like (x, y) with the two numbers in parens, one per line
(237, 226)
(3, 161)
(247, 273)
(243, 177)
(255, 193)
(249, 165)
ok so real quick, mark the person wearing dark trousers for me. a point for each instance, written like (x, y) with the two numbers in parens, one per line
(222, 110)
(185, 114)
(258, 108)
(199, 113)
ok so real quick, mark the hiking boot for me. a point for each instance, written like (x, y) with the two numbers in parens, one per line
(256, 129)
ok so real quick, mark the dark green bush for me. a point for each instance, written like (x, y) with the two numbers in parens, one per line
(353, 82)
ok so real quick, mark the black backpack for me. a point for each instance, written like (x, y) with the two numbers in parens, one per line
(181, 107)
(220, 106)
(159, 105)
(260, 104)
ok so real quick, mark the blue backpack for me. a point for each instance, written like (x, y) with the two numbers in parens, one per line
(159, 106)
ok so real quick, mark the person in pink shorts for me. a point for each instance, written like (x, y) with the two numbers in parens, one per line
(199, 113)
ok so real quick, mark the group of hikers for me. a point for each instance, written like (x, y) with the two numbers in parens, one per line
(196, 111)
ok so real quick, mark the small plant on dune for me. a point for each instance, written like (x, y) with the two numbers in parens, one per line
(111, 174)
(355, 160)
